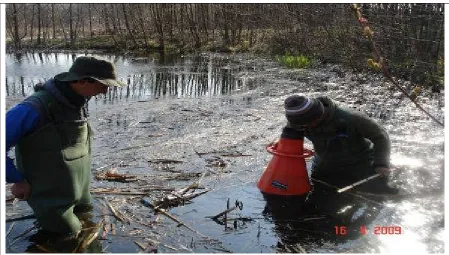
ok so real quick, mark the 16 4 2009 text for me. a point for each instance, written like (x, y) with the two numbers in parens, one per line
(377, 230)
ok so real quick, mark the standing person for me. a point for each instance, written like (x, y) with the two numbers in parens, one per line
(52, 140)
(348, 145)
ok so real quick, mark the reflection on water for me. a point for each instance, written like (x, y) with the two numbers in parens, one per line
(176, 77)
(36, 240)
(323, 216)
(85, 242)
(400, 160)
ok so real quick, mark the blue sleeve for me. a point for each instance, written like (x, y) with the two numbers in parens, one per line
(21, 120)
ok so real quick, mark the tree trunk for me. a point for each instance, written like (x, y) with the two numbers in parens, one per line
(115, 21)
(53, 20)
(128, 27)
(204, 14)
(63, 30)
(16, 37)
(193, 25)
(225, 25)
(39, 24)
(181, 26)
(45, 27)
(71, 28)
(79, 21)
(107, 25)
(141, 22)
(32, 25)
(158, 23)
(105, 19)
(119, 23)
(90, 21)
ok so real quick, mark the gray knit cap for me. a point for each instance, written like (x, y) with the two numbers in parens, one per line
(301, 110)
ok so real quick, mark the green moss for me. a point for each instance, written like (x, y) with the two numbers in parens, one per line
(295, 61)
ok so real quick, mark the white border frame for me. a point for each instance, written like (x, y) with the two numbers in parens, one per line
(2, 128)
(3, 96)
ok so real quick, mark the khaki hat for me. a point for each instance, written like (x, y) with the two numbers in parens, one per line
(90, 67)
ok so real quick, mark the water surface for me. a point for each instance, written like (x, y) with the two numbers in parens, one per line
(214, 103)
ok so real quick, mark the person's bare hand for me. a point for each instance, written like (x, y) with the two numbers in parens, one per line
(21, 190)
(384, 171)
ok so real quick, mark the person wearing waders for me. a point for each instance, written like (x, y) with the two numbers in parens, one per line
(348, 145)
(52, 140)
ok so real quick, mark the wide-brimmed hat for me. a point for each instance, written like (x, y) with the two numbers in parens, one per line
(301, 110)
(89, 67)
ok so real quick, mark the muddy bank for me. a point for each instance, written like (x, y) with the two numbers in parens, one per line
(169, 143)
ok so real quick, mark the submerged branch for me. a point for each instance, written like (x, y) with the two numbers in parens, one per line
(116, 214)
(148, 203)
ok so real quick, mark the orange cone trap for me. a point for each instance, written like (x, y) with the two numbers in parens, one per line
(286, 173)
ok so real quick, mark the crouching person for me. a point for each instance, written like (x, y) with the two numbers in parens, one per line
(348, 145)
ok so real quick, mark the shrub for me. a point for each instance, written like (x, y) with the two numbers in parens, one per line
(290, 61)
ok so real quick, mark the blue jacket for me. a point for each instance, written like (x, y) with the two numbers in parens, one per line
(21, 120)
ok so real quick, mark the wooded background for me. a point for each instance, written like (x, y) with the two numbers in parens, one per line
(410, 36)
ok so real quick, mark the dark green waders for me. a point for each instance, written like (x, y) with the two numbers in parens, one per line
(56, 161)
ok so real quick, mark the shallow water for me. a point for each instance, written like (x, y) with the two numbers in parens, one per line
(149, 77)
(218, 104)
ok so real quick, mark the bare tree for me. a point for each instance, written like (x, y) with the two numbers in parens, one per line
(13, 26)
(156, 11)
(53, 20)
(141, 21)
(39, 24)
(71, 27)
(32, 23)
(411, 35)
(127, 24)
(191, 15)
(90, 21)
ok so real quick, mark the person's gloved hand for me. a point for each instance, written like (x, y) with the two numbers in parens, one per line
(384, 171)
(21, 190)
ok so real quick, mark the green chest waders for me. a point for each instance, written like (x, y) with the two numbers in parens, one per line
(56, 161)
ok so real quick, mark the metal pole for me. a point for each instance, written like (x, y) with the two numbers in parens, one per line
(358, 183)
